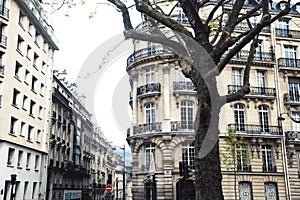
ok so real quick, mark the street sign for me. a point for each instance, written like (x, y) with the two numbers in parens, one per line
(108, 188)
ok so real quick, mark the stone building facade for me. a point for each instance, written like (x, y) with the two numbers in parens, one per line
(26, 61)
(164, 102)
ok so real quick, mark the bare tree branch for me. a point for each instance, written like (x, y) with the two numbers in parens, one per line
(166, 20)
(245, 89)
(126, 17)
(212, 13)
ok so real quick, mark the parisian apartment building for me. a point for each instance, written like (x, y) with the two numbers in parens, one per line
(49, 146)
(27, 47)
(164, 103)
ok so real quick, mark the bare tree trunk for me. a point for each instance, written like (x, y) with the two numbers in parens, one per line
(208, 172)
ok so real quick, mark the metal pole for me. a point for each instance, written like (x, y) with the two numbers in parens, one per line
(117, 188)
(124, 189)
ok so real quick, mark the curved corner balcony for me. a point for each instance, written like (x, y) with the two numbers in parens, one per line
(291, 99)
(182, 126)
(148, 54)
(252, 129)
(146, 128)
(149, 90)
(289, 63)
(183, 87)
(292, 136)
(255, 92)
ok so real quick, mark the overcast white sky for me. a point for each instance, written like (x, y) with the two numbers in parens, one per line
(78, 37)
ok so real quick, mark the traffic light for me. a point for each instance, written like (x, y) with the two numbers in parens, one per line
(187, 172)
(13, 178)
(180, 169)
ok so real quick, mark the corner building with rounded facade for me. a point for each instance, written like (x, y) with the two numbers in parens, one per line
(164, 104)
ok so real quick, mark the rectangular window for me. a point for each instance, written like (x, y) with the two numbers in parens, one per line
(258, 51)
(23, 129)
(237, 80)
(34, 83)
(271, 191)
(31, 29)
(20, 44)
(10, 157)
(283, 28)
(37, 162)
(17, 70)
(13, 125)
(44, 67)
(30, 133)
(42, 89)
(35, 60)
(242, 158)
(27, 77)
(20, 158)
(188, 155)
(16, 98)
(149, 148)
(28, 52)
(41, 112)
(296, 126)
(268, 159)
(245, 191)
(37, 38)
(38, 135)
(34, 190)
(150, 75)
(28, 160)
(32, 108)
(261, 81)
(290, 56)
(25, 189)
(294, 90)
(25, 102)
(21, 19)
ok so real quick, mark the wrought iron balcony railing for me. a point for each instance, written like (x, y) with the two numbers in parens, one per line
(292, 135)
(143, 53)
(4, 12)
(256, 91)
(149, 127)
(289, 62)
(183, 86)
(149, 89)
(291, 98)
(255, 129)
(287, 33)
(269, 168)
(259, 56)
(182, 126)
(243, 26)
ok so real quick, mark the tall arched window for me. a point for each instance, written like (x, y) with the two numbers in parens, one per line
(239, 116)
(150, 115)
(263, 111)
(187, 114)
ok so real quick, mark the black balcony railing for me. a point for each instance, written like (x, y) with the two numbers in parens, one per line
(291, 98)
(182, 125)
(142, 53)
(292, 135)
(288, 62)
(287, 33)
(255, 129)
(259, 56)
(183, 85)
(3, 41)
(4, 12)
(244, 168)
(149, 127)
(257, 91)
(269, 168)
(243, 26)
(151, 88)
